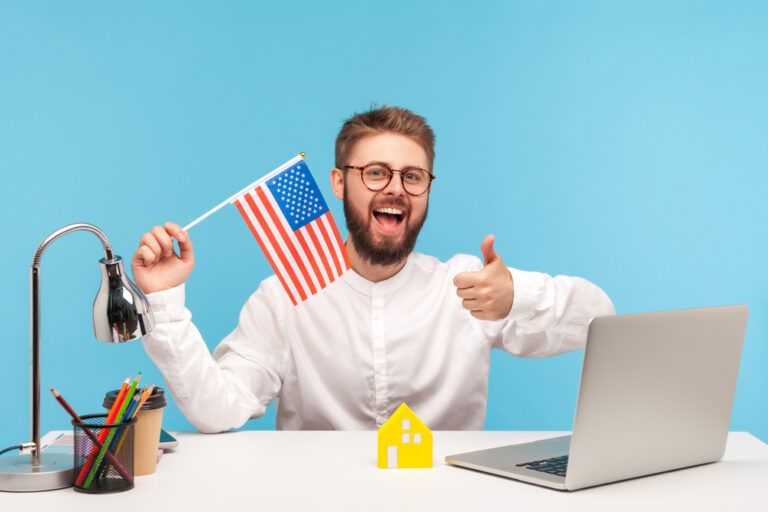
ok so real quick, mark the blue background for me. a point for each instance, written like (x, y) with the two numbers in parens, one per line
(620, 141)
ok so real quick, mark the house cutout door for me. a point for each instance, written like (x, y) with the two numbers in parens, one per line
(392, 456)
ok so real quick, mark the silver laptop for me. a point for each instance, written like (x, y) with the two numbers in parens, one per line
(656, 394)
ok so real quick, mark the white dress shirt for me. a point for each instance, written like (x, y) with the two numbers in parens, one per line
(349, 356)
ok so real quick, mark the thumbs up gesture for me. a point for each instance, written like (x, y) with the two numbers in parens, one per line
(489, 292)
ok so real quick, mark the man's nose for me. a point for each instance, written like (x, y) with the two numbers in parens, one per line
(395, 185)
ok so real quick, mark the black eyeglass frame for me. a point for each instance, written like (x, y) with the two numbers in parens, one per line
(362, 169)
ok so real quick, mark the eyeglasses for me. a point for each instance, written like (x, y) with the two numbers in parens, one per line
(416, 181)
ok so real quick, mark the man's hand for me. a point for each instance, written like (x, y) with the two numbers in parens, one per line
(156, 266)
(489, 292)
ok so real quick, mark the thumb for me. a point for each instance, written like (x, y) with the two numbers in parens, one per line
(489, 255)
(186, 252)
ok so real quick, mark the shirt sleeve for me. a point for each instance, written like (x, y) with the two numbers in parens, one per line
(549, 315)
(238, 381)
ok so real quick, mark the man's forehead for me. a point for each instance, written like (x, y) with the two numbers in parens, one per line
(392, 149)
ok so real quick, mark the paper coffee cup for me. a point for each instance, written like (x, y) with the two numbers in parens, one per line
(146, 432)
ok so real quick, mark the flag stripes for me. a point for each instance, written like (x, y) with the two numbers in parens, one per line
(340, 248)
(327, 239)
(283, 266)
(305, 260)
(316, 243)
(290, 241)
(269, 254)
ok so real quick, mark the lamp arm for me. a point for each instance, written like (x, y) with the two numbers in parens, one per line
(78, 226)
(35, 320)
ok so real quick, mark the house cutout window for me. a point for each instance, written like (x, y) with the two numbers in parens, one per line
(406, 437)
(416, 438)
(406, 424)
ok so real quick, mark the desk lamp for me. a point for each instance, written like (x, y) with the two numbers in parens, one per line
(120, 313)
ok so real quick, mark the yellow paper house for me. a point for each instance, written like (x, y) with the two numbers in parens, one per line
(404, 441)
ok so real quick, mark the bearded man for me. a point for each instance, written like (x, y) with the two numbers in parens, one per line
(398, 327)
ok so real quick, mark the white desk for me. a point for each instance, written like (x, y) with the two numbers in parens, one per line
(308, 471)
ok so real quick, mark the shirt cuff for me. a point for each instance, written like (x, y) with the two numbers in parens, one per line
(528, 289)
(167, 305)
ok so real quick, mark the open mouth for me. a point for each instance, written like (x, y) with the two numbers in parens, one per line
(389, 219)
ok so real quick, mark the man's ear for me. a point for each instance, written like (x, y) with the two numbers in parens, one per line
(337, 183)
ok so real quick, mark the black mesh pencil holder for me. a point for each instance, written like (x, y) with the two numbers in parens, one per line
(95, 471)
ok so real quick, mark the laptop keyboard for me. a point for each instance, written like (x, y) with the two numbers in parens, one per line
(553, 466)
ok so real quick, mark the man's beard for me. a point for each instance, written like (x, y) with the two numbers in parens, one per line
(387, 252)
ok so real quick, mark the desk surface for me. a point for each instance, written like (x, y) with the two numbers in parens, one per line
(269, 470)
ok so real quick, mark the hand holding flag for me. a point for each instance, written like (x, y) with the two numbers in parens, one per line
(488, 293)
(290, 220)
(155, 264)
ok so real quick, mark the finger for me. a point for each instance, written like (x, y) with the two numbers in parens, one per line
(185, 247)
(145, 256)
(173, 229)
(466, 293)
(136, 259)
(471, 305)
(465, 279)
(489, 254)
(149, 241)
(185, 244)
(164, 239)
(482, 315)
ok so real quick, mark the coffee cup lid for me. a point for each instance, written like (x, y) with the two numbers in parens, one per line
(155, 401)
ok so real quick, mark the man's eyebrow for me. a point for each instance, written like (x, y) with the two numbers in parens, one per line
(386, 164)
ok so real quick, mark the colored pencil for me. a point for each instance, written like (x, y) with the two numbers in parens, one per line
(103, 433)
(119, 467)
(131, 406)
(121, 431)
(128, 413)
(111, 433)
(144, 396)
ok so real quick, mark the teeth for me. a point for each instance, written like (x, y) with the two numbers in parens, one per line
(393, 211)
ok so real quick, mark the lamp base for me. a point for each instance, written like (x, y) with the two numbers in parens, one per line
(17, 474)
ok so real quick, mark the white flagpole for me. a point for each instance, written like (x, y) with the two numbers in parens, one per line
(204, 216)
(244, 190)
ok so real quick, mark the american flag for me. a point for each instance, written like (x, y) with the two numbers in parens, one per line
(287, 214)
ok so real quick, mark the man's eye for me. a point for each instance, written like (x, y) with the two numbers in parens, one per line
(414, 176)
(376, 173)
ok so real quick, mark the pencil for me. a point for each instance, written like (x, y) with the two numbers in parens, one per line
(122, 432)
(131, 407)
(111, 433)
(127, 416)
(103, 433)
(144, 396)
(91, 435)
(118, 400)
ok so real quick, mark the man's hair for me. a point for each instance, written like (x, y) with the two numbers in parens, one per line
(381, 120)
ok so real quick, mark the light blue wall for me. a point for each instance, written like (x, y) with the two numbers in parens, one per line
(620, 141)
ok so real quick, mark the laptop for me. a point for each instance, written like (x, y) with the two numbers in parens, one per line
(656, 394)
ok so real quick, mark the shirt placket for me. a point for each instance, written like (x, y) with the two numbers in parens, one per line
(379, 360)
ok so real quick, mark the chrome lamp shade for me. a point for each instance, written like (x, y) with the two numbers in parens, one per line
(120, 313)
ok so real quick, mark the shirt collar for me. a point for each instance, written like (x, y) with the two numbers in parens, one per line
(385, 287)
